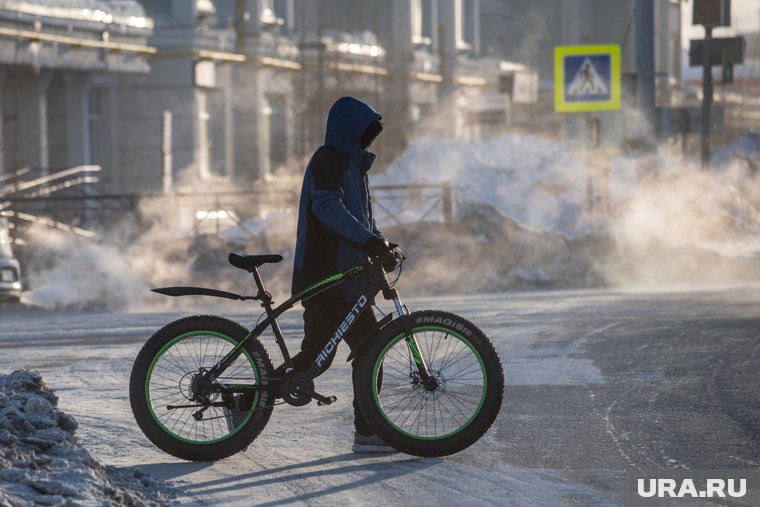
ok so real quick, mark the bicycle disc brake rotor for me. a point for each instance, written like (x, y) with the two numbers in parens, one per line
(294, 386)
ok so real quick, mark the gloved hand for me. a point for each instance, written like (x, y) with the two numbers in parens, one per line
(377, 247)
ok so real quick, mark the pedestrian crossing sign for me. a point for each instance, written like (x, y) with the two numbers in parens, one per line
(586, 78)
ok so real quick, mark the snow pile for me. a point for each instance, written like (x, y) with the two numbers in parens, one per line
(520, 217)
(538, 183)
(41, 463)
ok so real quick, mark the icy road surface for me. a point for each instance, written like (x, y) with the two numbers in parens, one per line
(597, 382)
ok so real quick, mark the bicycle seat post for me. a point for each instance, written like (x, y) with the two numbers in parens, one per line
(266, 298)
(266, 302)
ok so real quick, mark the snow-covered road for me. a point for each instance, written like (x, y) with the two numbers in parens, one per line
(576, 369)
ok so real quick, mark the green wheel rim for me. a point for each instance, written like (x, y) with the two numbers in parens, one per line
(179, 399)
(399, 399)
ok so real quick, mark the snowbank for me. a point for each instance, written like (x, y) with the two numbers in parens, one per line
(538, 183)
(41, 463)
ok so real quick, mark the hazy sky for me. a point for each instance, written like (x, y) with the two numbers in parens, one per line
(745, 17)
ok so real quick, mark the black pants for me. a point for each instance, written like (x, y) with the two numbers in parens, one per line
(321, 318)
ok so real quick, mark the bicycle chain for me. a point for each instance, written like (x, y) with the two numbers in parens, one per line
(256, 380)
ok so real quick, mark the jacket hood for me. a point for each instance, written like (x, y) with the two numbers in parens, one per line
(347, 121)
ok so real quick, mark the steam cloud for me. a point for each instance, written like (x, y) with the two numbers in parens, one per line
(522, 220)
(66, 270)
(687, 226)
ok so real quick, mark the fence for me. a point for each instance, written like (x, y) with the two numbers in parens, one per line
(85, 212)
(412, 203)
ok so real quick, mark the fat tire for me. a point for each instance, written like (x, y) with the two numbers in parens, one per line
(164, 440)
(468, 434)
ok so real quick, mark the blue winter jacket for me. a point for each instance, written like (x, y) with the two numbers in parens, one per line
(335, 211)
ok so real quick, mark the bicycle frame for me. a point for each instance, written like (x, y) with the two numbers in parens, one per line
(378, 282)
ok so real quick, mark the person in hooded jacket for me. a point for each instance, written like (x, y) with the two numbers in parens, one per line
(335, 232)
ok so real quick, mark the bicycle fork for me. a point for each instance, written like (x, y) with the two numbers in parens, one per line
(428, 382)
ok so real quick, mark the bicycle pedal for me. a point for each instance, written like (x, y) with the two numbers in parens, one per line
(327, 400)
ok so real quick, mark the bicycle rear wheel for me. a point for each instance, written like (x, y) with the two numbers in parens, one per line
(164, 378)
(443, 418)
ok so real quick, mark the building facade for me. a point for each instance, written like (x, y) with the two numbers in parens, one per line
(248, 83)
(230, 95)
(59, 64)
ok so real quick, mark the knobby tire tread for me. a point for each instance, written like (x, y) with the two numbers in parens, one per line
(454, 443)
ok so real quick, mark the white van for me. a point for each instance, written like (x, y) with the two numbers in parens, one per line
(10, 274)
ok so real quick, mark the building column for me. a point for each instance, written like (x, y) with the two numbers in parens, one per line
(2, 123)
(448, 31)
(248, 21)
(77, 119)
(475, 27)
(184, 13)
(32, 130)
(448, 16)
(113, 153)
(397, 106)
(229, 124)
(290, 16)
(251, 122)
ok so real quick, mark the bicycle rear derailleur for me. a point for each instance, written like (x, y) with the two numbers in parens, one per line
(297, 389)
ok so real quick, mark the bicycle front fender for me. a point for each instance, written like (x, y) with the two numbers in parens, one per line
(372, 332)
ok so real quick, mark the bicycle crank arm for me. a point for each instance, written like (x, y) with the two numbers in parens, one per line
(321, 400)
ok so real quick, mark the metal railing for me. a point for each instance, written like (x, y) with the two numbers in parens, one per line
(81, 210)
(416, 202)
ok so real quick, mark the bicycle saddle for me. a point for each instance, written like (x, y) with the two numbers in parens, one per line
(251, 262)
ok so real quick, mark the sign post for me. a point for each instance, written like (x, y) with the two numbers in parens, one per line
(708, 13)
(587, 79)
(707, 96)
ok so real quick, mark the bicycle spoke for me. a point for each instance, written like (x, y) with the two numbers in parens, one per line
(171, 378)
(442, 409)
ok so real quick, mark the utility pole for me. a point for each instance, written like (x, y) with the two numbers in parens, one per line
(712, 13)
(645, 89)
(707, 98)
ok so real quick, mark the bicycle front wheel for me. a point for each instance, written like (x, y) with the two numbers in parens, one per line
(167, 372)
(423, 417)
